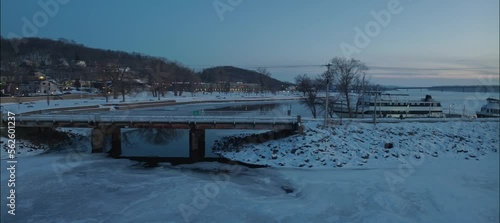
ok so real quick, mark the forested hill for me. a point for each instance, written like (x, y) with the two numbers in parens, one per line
(235, 74)
(65, 60)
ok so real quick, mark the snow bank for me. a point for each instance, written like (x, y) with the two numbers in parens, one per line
(368, 145)
(25, 147)
(133, 99)
(91, 188)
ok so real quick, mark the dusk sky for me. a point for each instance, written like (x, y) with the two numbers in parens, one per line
(424, 43)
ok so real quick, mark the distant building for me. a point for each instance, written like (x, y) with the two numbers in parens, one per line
(7, 84)
(81, 63)
(40, 85)
(228, 87)
(243, 87)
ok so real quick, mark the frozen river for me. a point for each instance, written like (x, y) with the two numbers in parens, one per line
(82, 187)
(94, 189)
(174, 143)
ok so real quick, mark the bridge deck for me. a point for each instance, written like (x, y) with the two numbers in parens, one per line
(157, 121)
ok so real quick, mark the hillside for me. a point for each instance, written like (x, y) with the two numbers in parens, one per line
(65, 60)
(235, 74)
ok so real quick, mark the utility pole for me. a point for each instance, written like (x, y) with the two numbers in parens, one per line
(327, 92)
(375, 109)
(341, 111)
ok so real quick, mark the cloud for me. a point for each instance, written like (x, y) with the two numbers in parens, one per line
(461, 72)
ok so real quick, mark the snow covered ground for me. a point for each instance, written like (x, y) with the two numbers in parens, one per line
(140, 97)
(362, 144)
(435, 172)
(458, 185)
(77, 187)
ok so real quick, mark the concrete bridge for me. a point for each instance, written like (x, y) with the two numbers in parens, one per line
(104, 126)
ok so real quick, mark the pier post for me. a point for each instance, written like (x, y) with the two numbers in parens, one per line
(196, 144)
(97, 138)
(300, 127)
(116, 143)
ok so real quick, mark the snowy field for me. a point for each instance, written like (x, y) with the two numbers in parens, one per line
(91, 188)
(459, 184)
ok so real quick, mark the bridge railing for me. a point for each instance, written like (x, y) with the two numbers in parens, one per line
(238, 113)
(155, 118)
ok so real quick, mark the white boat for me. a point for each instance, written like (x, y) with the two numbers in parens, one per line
(389, 105)
(490, 110)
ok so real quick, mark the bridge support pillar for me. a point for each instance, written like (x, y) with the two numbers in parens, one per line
(196, 144)
(97, 138)
(116, 143)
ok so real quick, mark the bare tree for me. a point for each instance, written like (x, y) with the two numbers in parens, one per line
(101, 73)
(128, 84)
(360, 87)
(181, 77)
(119, 83)
(310, 88)
(159, 78)
(304, 84)
(113, 74)
(194, 84)
(37, 58)
(346, 71)
(264, 75)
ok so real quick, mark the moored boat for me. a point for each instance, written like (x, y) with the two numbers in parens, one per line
(490, 110)
(389, 105)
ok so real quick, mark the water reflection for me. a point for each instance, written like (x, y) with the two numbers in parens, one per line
(274, 109)
(248, 107)
(154, 136)
(175, 143)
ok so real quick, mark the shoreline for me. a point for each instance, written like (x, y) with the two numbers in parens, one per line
(74, 104)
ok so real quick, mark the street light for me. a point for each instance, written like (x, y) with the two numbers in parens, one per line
(327, 93)
(18, 100)
(449, 109)
(48, 96)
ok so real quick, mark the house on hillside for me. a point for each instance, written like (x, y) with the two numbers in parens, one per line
(7, 84)
(38, 85)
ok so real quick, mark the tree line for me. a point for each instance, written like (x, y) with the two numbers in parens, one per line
(65, 60)
(344, 76)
